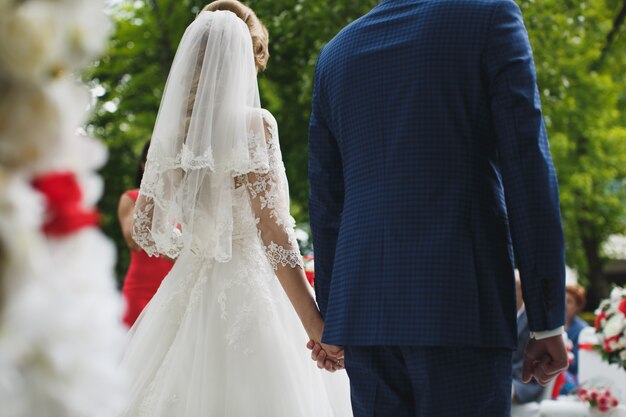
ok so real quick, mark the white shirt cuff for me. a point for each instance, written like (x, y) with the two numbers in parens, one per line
(548, 333)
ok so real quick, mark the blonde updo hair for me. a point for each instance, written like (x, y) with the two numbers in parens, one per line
(260, 36)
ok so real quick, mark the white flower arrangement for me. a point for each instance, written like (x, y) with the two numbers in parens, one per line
(22, 142)
(43, 39)
(61, 335)
(611, 327)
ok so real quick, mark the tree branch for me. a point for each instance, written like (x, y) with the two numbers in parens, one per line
(618, 22)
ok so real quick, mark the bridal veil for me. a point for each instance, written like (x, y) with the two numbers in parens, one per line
(209, 130)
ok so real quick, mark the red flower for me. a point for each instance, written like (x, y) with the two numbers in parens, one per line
(607, 343)
(603, 401)
(599, 319)
(64, 211)
(622, 306)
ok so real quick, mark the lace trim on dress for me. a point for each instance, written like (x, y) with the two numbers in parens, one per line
(279, 256)
(186, 159)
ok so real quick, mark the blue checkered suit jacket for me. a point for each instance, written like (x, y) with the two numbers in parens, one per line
(425, 117)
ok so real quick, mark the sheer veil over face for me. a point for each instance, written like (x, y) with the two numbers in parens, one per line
(209, 129)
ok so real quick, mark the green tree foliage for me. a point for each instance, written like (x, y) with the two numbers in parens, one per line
(578, 47)
(581, 77)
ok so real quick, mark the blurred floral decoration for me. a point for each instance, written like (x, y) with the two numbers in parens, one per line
(60, 333)
(306, 248)
(600, 398)
(610, 327)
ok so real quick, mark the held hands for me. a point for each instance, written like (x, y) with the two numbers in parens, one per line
(327, 357)
(544, 360)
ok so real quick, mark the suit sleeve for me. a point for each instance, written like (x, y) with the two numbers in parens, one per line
(326, 193)
(530, 183)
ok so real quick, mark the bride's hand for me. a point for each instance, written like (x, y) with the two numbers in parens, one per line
(327, 357)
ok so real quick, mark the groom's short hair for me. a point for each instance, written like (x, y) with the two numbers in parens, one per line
(258, 31)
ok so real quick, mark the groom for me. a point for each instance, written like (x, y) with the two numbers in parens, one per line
(430, 177)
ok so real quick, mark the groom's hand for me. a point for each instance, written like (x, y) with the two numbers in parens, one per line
(327, 357)
(544, 359)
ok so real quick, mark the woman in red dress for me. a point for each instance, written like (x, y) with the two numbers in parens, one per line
(144, 273)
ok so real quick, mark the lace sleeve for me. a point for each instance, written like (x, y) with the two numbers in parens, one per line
(269, 196)
(143, 231)
(142, 221)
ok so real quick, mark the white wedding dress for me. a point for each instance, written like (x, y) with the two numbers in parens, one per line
(222, 339)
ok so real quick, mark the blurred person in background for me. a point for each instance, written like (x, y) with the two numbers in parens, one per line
(145, 273)
(575, 301)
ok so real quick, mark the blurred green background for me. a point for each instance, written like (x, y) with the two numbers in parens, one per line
(580, 55)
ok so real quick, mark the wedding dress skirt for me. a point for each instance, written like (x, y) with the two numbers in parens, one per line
(222, 339)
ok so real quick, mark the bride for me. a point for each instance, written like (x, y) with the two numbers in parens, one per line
(221, 337)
